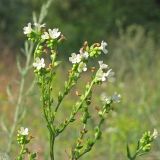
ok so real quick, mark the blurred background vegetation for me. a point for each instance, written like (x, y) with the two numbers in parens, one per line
(80, 20)
(131, 28)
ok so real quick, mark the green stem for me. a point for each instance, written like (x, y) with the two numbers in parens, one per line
(95, 140)
(52, 140)
(47, 111)
(77, 108)
(69, 86)
(45, 107)
(16, 115)
(21, 154)
(20, 98)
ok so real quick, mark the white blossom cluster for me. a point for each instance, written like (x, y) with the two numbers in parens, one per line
(23, 131)
(103, 75)
(28, 29)
(75, 58)
(115, 98)
(39, 63)
(83, 55)
(52, 33)
(78, 58)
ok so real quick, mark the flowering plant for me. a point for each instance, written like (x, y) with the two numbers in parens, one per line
(23, 139)
(143, 145)
(45, 64)
(46, 60)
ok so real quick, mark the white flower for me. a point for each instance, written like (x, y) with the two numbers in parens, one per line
(101, 76)
(110, 75)
(82, 67)
(155, 134)
(104, 76)
(102, 65)
(103, 47)
(116, 98)
(105, 99)
(45, 35)
(54, 33)
(28, 29)
(84, 54)
(39, 63)
(23, 131)
(75, 58)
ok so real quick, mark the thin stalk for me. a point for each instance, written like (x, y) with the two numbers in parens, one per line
(25, 70)
(52, 140)
(78, 108)
(20, 98)
(48, 117)
(66, 90)
(17, 111)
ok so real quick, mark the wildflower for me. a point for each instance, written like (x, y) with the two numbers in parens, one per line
(108, 99)
(105, 99)
(45, 35)
(23, 131)
(101, 76)
(155, 134)
(75, 58)
(116, 98)
(104, 76)
(28, 29)
(110, 75)
(103, 47)
(82, 67)
(84, 54)
(102, 65)
(54, 33)
(39, 63)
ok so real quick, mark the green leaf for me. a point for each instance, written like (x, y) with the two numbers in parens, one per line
(128, 152)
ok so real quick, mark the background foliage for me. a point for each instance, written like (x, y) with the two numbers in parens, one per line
(81, 20)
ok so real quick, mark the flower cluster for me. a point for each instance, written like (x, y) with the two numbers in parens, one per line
(52, 33)
(82, 67)
(104, 73)
(143, 145)
(115, 98)
(147, 138)
(28, 29)
(86, 52)
(47, 40)
(80, 59)
(22, 136)
(23, 139)
(40, 30)
(39, 63)
(75, 58)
